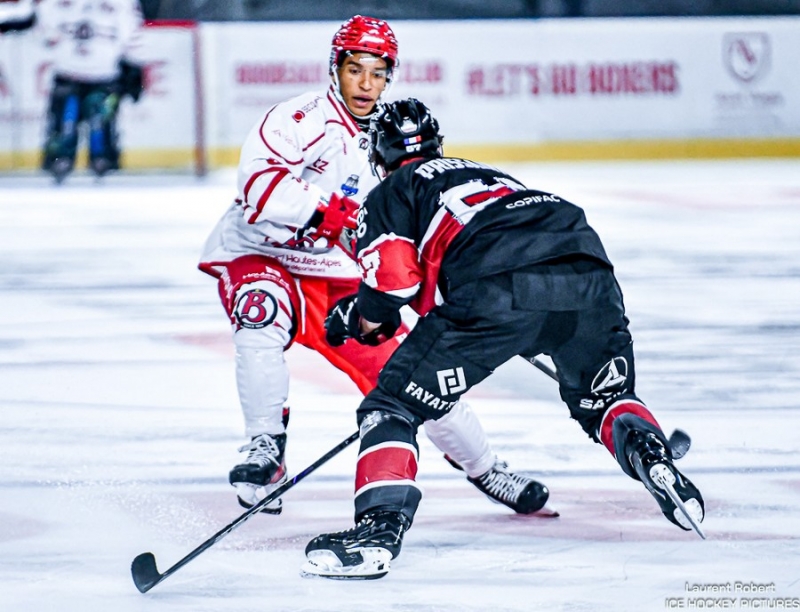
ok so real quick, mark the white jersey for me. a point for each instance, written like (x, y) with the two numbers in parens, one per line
(298, 154)
(89, 37)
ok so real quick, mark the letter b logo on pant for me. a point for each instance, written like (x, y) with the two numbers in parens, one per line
(255, 309)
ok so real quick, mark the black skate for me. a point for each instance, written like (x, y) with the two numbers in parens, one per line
(262, 471)
(60, 168)
(362, 552)
(102, 166)
(680, 501)
(522, 494)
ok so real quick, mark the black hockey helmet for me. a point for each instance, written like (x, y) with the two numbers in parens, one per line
(402, 130)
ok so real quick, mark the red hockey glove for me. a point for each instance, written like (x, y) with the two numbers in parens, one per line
(340, 213)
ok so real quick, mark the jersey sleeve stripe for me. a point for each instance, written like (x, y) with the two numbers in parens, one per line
(254, 177)
(444, 228)
(391, 265)
(279, 175)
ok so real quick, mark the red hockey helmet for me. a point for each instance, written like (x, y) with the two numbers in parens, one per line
(364, 35)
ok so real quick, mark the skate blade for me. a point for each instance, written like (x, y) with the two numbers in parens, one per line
(249, 495)
(688, 514)
(325, 564)
(545, 512)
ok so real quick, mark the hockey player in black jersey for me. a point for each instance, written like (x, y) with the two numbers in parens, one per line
(495, 270)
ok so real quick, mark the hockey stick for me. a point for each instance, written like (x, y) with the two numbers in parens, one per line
(543, 367)
(143, 569)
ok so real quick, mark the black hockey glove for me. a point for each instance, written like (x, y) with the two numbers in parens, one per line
(131, 79)
(344, 322)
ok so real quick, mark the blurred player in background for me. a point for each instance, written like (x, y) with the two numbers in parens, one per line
(495, 270)
(16, 15)
(92, 41)
(280, 253)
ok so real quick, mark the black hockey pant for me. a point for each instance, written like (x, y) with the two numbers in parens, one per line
(72, 103)
(570, 311)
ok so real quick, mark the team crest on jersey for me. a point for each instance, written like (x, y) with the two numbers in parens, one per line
(363, 143)
(298, 116)
(255, 309)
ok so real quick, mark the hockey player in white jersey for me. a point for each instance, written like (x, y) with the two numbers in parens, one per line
(16, 15)
(91, 41)
(282, 263)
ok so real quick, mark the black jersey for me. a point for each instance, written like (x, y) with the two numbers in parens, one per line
(433, 225)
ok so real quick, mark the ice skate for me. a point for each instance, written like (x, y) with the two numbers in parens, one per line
(60, 168)
(102, 166)
(522, 494)
(262, 471)
(361, 553)
(680, 501)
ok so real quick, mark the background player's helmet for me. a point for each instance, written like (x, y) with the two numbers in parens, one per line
(402, 130)
(364, 35)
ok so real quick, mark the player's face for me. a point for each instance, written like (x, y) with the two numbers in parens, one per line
(362, 79)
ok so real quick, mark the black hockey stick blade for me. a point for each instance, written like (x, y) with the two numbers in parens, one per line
(679, 443)
(145, 573)
(143, 568)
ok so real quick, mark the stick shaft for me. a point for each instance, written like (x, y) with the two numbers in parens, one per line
(541, 365)
(255, 509)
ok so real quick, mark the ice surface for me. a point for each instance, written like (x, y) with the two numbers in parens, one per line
(120, 419)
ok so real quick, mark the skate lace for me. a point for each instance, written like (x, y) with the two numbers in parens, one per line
(651, 450)
(368, 529)
(501, 484)
(263, 451)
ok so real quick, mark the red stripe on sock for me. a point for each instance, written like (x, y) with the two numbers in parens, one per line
(385, 464)
(624, 407)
